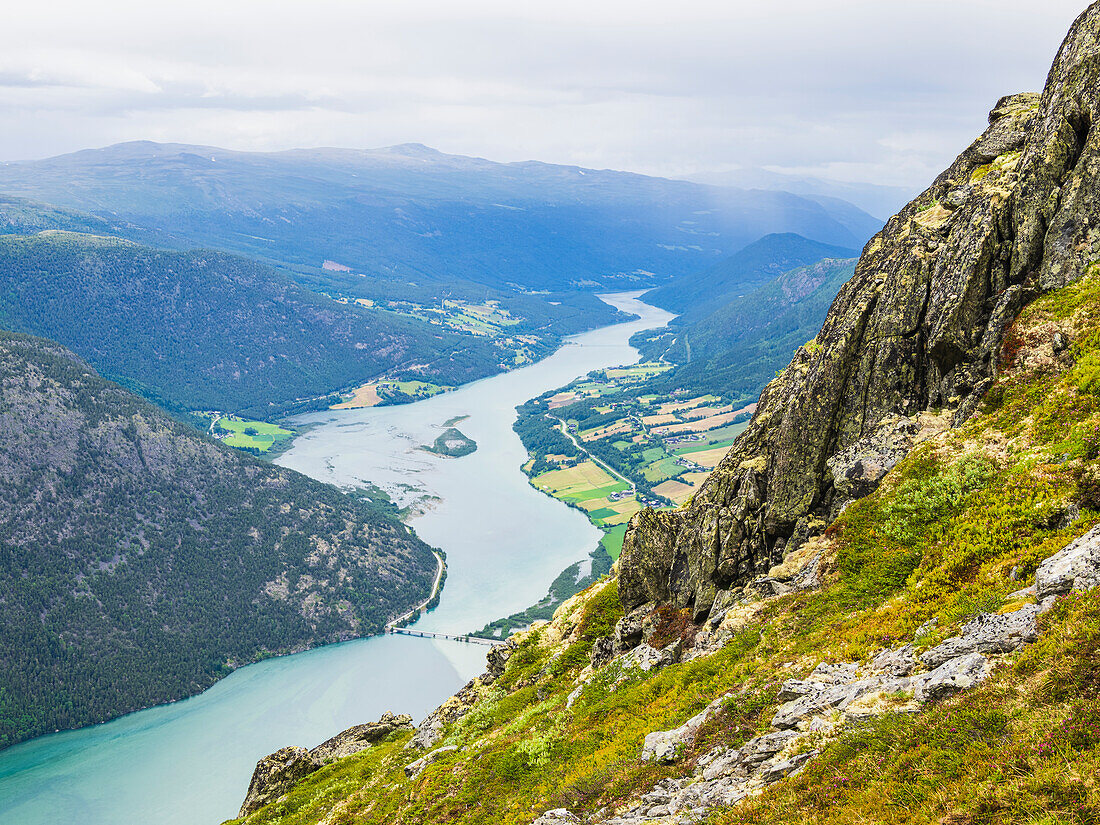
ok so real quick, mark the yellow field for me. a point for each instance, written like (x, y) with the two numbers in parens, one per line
(700, 426)
(585, 476)
(703, 412)
(364, 396)
(625, 509)
(709, 458)
(679, 406)
(663, 418)
(611, 429)
(562, 399)
(695, 479)
(674, 490)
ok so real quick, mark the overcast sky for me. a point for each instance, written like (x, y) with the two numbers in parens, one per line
(885, 91)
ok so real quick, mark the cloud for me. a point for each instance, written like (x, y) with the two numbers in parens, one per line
(884, 91)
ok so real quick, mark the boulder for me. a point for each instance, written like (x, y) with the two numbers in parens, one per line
(837, 697)
(558, 816)
(647, 658)
(898, 662)
(665, 745)
(414, 769)
(857, 469)
(276, 774)
(989, 633)
(952, 676)
(360, 737)
(1077, 567)
(786, 767)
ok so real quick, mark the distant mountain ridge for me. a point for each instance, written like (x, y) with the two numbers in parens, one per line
(699, 293)
(410, 212)
(208, 330)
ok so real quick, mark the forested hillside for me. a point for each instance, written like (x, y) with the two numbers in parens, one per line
(207, 330)
(737, 349)
(698, 294)
(140, 561)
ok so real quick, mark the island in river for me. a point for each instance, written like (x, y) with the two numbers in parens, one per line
(186, 763)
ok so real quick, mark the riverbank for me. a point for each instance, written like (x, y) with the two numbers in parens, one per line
(186, 763)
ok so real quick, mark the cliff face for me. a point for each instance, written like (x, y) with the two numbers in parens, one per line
(915, 331)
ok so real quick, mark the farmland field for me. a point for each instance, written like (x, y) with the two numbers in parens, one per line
(255, 435)
(612, 541)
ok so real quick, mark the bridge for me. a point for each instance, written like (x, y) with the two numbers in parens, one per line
(428, 634)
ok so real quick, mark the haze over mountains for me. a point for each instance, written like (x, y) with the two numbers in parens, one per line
(414, 213)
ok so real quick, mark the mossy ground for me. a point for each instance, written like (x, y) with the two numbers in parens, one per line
(953, 531)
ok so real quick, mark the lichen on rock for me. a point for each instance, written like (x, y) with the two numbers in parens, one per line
(917, 329)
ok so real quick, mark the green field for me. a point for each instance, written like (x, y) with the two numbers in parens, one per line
(702, 446)
(661, 470)
(422, 389)
(638, 371)
(595, 492)
(251, 435)
(612, 541)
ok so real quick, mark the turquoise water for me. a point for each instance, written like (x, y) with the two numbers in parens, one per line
(189, 763)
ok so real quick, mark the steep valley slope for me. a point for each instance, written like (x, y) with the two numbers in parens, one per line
(201, 330)
(141, 561)
(884, 604)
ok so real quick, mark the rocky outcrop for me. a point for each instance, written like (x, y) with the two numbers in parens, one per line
(417, 766)
(919, 326)
(278, 773)
(1077, 567)
(834, 695)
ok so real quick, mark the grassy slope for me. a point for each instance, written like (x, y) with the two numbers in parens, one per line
(940, 538)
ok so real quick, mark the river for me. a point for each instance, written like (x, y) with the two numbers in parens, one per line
(188, 763)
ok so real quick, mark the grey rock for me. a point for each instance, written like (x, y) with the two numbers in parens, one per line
(857, 469)
(275, 775)
(765, 747)
(665, 745)
(497, 660)
(429, 732)
(603, 650)
(956, 198)
(898, 662)
(414, 769)
(724, 765)
(764, 587)
(950, 677)
(1076, 567)
(837, 696)
(778, 770)
(558, 816)
(989, 633)
(360, 737)
(647, 658)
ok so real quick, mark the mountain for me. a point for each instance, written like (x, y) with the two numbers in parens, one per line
(140, 561)
(414, 214)
(884, 603)
(200, 330)
(871, 198)
(737, 349)
(700, 293)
